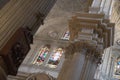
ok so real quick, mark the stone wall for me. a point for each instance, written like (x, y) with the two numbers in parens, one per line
(102, 6)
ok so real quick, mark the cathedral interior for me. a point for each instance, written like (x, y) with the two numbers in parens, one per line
(59, 40)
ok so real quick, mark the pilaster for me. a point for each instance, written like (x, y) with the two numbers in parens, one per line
(102, 6)
(80, 63)
(90, 34)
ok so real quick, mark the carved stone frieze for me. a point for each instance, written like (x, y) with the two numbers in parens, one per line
(84, 25)
(90, 33)
(81, 46)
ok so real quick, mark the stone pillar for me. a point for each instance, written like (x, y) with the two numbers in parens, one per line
(102, 72)
(72, 67)
(88, 38)
(102, 6)
(104, 68)
(115, 17)
(80, 64)
(96, 3)
(111, 72)
(111, 9)
(95, 8)
(114, 61)
(107, 7)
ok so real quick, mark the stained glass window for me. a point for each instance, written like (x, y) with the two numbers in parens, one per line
(41, 56)
(54, 59)
(117, 70)
(66, 35)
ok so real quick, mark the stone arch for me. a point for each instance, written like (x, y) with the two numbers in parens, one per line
(40, 76)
